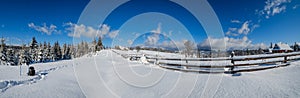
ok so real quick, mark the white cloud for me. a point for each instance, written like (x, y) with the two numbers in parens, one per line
(81, 30)
(130, 42)
(296, 6)
(235, 21)
(154, 38)
(76, 30)
(14, 41)
(231, 43)
(44, 28)
(167, 35)
(231, 32)
(170, 33)
(135, 34)
(274, 7)
(113, 34)
(104, 29)
(245, 28)
(271, 8)
(158, 29)
(174, 44)
(254, 27)
(278, 10)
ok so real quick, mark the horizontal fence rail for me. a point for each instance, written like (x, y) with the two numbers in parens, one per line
(234, 64)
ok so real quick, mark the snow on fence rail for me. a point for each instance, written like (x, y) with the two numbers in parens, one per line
(237, 64)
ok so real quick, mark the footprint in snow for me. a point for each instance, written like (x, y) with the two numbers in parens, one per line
(6, 84)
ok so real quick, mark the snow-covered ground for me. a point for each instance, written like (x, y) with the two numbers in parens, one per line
(108, 74)
(55, 80)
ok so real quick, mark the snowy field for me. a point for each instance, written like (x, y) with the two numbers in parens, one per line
(108, 74)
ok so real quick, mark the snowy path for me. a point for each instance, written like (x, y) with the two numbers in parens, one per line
(40, 75)
(53, 80)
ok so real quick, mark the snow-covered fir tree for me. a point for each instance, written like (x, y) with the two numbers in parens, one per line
(48, 56)
(11, 59)
(44, 48)
(86, 48)
(59, 54)
(3, 59)
(40, 53)
(24, 56)
(53, 52)
(94, 46)
(33, 50)
(56, 52)
(66, 54)
(72, 51)
(80, 49)
(296, 47)
(99, 45)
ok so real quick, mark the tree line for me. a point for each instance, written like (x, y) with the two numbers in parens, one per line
(45, 52)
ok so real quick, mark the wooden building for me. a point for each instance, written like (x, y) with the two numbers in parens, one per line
(281, 48)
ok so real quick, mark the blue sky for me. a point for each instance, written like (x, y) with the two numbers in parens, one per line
(245, 23)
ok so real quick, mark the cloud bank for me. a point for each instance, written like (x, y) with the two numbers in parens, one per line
(231, 43)
(80, 30)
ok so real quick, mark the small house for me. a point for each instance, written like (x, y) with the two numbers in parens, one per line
(281, 48)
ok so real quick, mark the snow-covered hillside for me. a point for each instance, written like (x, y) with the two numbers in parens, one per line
(55, 80)
(108, 74)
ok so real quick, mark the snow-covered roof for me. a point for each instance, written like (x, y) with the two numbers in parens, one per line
(282, 46)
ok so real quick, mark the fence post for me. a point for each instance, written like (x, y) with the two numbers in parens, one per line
(285, 59)
(232, 61)
(232, 67)
(156, 60)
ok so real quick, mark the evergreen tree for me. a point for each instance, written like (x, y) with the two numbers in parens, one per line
(64, 49)
(40, 54)
(33, 44)
(56, 52)
(72, 51)
(59, 54)
(296, 47)
(94, 45)
(24, 56)
(81, 49)
(86, 48)
(48, 52)
(44, 52)
(78, 50)
(99, 44)
(11, 60)
(66, 52)
(53, 52)
(33, 50)
(3, 58)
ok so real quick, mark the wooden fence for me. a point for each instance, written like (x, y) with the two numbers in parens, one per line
(236, 64)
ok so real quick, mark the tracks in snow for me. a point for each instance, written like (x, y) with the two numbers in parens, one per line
(40, 75)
